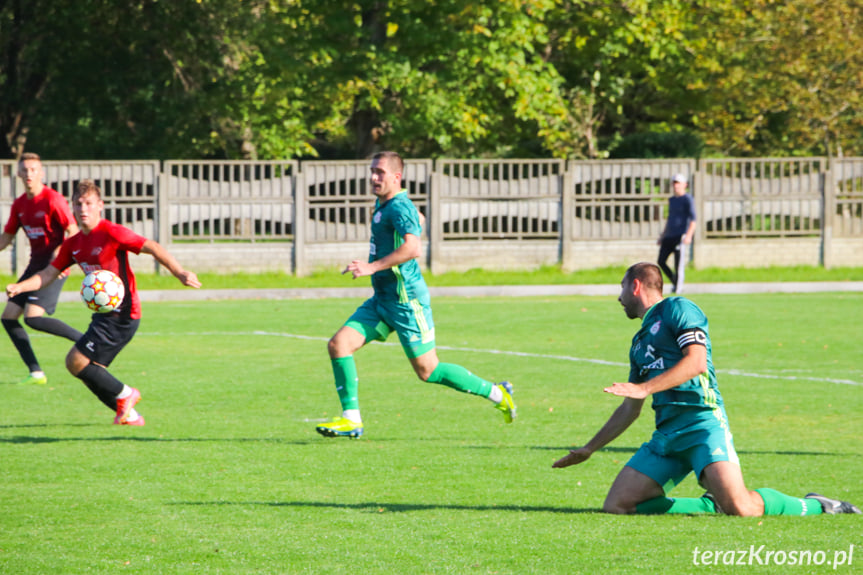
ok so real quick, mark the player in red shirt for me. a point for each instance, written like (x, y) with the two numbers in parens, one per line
(45, 217)
(104, 245)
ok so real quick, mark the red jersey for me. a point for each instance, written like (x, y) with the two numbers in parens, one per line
(106, 247)
(44, 219)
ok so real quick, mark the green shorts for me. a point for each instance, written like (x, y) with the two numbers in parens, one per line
(377, 318)
(690, 443)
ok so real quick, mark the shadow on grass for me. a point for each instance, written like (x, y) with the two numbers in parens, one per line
(378, 507)
(24, 439)
(739, 451)
(47, 425)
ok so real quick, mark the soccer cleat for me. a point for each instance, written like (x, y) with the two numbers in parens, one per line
(340, 427)
(506, 405)
(125, 405)
(137, 423)
(35, 380)
(833, 506)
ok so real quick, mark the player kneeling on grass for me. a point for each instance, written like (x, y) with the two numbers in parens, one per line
(671, 360)
(400, 303)
(104, 245)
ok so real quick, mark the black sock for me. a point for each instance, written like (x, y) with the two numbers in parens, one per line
(19, 337)
(54, 327)
(103, 385)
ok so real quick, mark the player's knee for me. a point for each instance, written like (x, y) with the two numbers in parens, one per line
(75, 361)
(614, 509)
(340, 345)
(423, 373)
(614, 505)
(11, 313)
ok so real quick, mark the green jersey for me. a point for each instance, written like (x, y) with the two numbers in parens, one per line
(667, 328)
(390, 222)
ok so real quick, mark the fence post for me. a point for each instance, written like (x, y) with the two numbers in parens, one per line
(163, 224)
(20, 245)
(828, 210)
(435, 221)
(566, 214)
(299, 223)
(698, 193)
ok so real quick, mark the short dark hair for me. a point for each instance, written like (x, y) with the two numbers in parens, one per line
(647, 273)
(393, 158)
(29, 156)
(85, 187)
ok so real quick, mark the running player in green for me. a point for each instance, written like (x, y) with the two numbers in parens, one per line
(671, 360)
(400, 303)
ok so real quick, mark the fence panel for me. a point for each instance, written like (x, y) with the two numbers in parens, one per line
(339, 201)
(473, 206)
(624, 199)
(848, 218)
(7, 181)
(8, 256)
(129, 189)
(500, 199)
(231, 200)
(7, 189)
(764, 197)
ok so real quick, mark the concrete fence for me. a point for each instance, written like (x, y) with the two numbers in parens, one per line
(228, 216)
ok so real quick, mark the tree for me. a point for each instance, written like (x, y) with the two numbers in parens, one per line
(27, 64)
(425, 77)
(789, 79)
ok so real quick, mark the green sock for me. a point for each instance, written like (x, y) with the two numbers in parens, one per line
(347, 382)
(458, 378)
(776, 503)
(687, 505)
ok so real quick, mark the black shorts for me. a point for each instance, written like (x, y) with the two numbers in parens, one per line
(107, 335)
(46, 298)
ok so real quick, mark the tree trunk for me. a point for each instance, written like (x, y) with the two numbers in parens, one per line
(365, 121)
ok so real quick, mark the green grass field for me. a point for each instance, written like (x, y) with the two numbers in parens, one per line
(548, 275)
(229, 476)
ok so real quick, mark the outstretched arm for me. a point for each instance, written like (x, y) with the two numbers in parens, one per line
(162, 256)
(34, 282)
(409, 250)
(620, 420)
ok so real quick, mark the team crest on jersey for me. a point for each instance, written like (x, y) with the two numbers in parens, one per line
(654, 329)
(96, 251)
(377, 218)
(40, 214)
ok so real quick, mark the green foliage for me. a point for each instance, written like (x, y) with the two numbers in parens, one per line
(228, 476)
(658, 145)
(785, 78)
(567, 79)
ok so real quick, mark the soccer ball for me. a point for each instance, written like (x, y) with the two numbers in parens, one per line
(102, 291)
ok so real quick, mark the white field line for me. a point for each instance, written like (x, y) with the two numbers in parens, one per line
(734, 372)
